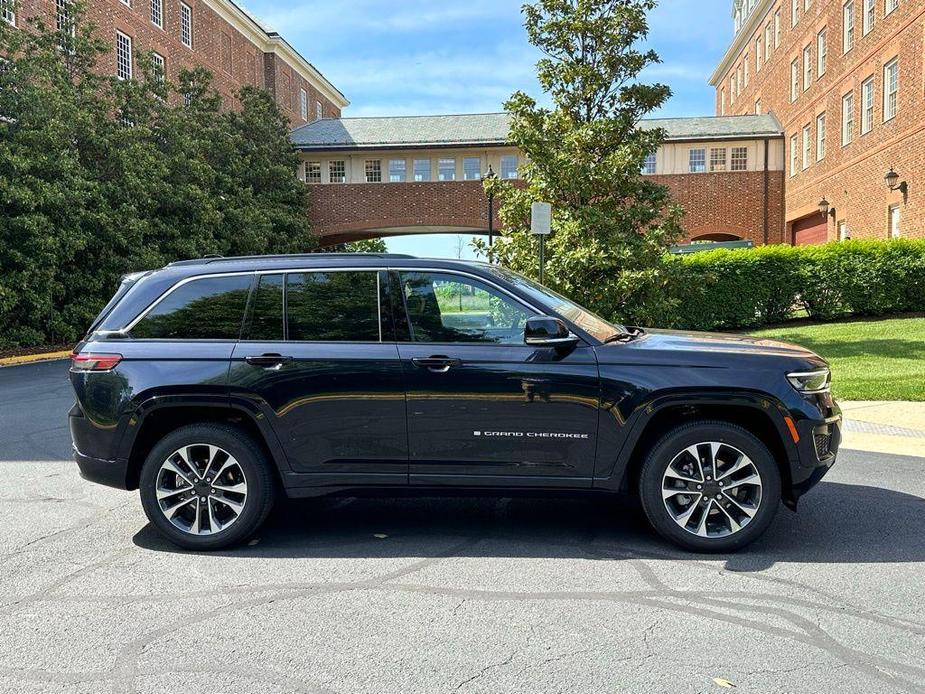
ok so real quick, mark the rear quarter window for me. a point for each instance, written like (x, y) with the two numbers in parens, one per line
(210, 308)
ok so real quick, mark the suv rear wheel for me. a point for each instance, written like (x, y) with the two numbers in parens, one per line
(206, 486)
(710, 487)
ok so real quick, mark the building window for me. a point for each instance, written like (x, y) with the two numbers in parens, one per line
(8, 11)
(867, 105)
(697, 160)
(758, 55)
(123, 56)
(446, 169)
(739, 161)
(732, 89)
(472, 169)
(890, 89)
(843, 230)
(157, 13)
(890, 6)
(718, 159)
(758, 107)
(649, 164)
(397, 170)
(62, 16)
(870, 16)
(794, 80)
(848, 26)
(745, 68)
(186, 25)
(807, 67)
(509, 166)
(894, 217)
(159, 65)
(722, 101)
(319, 111)
(807, 145)
(794, 12)
(820, 137)
(793, 155)
(777, 29)
(313, 172)
(303, 104)
(373, 171)
(738, 80)
(421, 169)
(822, 52)
(337, 171)
(767, 43)
(847, 119)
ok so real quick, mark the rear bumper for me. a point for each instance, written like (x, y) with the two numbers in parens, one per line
(112, 473)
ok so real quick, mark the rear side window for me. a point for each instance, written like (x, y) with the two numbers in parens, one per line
(211, 308)
(266, 323)
(333, 306)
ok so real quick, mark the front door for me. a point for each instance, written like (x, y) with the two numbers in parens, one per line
(322, 365)
(483, 407)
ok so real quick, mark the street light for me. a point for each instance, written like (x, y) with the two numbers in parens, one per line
(892, 182)
(490, 176)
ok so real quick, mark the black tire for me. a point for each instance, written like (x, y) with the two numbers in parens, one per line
(671, 445)
(253, 463)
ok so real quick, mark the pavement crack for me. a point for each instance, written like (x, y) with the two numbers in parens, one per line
(481, 673)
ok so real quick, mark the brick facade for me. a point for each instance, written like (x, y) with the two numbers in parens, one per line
(225, 40)
(849, 177)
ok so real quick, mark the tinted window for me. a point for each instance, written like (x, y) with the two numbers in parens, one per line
(453, 308)
(266, 322)
(333, 306)
(206, 309)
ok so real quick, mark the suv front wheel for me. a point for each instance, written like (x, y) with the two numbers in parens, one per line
(206, 486)
(710, 487)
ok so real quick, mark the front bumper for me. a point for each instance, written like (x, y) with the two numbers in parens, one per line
(817, 450)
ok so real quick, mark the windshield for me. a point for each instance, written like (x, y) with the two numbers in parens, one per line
(591, 323)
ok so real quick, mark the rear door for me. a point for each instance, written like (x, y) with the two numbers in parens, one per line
(319, 359)
(484, 408)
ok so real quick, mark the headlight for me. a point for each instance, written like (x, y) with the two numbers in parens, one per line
(810, 381)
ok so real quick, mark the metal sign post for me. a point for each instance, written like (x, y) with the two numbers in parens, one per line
(541, 225)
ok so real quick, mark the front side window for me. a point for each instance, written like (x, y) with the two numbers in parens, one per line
(822, 52)
(472, 169)
(313, 172)
(509, 166)
(123, 56)
(422, 170)
(890, 89)
(649, 165)
(820, 137)
(697, 161)
(847, 119)
(374, 171)
(210, 308)
(397, 171)
(446, 170)
(186, 25)
(444, 307)
(718, 159)
(848, 26)
(867, 105)
(740, 158)
(337, 171)
(333, 306)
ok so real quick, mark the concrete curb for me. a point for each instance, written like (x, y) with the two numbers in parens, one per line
(32, 358)
(885, 427)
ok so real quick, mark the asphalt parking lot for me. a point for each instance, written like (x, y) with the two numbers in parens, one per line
(450, 594)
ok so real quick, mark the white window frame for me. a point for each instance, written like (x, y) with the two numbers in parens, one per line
(820, 136)
(186, 25)
(8, 12)
(123, 61)
(794, 13)
(889, 7)
(446, 174)
(777, 29)
(650, 164)
(425, 172)
(313, 172)
(722, 101)
(758, 54)
(698, 163)
(757, 107)
(894, 231)
(157, 13)
(794, 143)
(807, 66)
(847, 119)
(303, 103)
(467, 175)
(867, 105)
(847, 26)
(869, 19)
(718, 160)
(738, 159)
(339, 165)
(159, 63)
(843, 230)
(372, 171)
(745, 69)
(890, 90)
(794, 80)
(768, 32)
(822, 52)
(319, 111)
(398, 171)
(807, 145)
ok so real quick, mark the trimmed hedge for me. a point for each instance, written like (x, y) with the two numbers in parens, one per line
(749, 288)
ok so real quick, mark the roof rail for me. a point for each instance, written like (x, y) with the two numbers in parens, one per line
(209, 259)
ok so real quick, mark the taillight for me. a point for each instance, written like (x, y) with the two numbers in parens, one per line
(94, 362)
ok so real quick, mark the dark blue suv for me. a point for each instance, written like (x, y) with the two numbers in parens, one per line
(214, 385)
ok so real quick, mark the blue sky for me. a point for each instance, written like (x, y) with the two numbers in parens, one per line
(468, 56)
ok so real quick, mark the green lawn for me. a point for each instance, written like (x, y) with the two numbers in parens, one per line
(871, 359)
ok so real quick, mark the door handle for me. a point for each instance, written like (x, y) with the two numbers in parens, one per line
(437, 363)
(268, 360)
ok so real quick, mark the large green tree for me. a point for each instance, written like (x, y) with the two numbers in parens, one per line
(584, 154)
(99, 177)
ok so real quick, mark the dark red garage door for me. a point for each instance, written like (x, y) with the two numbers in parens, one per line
(809, 230)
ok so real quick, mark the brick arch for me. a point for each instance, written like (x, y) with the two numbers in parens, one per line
(719, 232)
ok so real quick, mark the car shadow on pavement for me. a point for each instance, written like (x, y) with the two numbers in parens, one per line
(836, 523)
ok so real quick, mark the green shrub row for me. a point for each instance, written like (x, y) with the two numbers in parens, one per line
(749, 288)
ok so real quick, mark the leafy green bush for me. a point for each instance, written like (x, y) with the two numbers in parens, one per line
(748, 288)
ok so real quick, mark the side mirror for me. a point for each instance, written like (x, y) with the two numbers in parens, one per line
(546, 331)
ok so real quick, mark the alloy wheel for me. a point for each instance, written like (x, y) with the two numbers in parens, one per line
(201, 489)
(712, 489)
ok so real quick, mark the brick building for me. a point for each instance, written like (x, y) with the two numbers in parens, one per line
(422, 174)
(846, 79)
(215, 34)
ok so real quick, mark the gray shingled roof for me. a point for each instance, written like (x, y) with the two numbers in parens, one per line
(492, 129)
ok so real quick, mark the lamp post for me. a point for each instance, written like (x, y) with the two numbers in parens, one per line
(490, 176)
